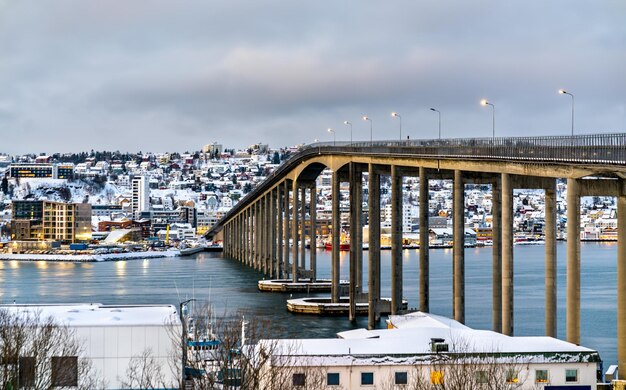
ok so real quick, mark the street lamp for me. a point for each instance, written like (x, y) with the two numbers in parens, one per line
(348, 123)
(564, 92)
(396, 115)
(366, 118)
(438, 112)
(184, 337)
(332, 131)
(485, 102)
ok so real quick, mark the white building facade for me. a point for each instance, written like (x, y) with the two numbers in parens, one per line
(111, 338)
(424, 350)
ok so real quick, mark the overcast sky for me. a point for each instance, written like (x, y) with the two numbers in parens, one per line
(175, 75)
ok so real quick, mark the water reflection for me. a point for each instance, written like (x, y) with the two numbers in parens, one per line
(120, 268)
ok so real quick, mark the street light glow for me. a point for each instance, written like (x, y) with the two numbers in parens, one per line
(483, 102)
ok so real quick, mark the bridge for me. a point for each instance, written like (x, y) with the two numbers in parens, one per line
(274, 213)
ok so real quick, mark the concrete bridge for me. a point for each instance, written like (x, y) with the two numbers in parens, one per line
(274, 212)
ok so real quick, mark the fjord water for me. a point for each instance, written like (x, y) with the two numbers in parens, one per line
(231, 286)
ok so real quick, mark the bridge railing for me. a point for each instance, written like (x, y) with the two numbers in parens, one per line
(588, 148)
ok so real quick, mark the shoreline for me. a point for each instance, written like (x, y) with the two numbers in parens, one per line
(89, 258)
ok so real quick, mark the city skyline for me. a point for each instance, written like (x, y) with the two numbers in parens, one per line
(153, 76)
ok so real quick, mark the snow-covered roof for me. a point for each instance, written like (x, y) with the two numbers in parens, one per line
(412, 335)
(97, 314)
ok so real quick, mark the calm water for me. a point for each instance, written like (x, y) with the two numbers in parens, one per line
(231, 286)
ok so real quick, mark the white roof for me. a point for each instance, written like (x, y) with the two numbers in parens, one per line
(411, 339)
(97, 314)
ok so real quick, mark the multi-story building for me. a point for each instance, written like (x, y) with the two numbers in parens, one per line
(42, 171)
(140, 200)
(44, 220)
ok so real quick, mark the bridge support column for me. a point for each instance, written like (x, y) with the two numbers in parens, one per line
(246, 237)
(573, 262)
(458, 270)
(353, 245)
(396, 240)
(294, 231)
(507, 255)
(373, 279)
(313, 234)
(550, 237)
(279, 232)
(257, 236)
(358, 237)
(336, 221)
(265, 233)
(286, 231)
(272, 230)
(424, 276)
(496, 255)
(621, 278)
(302, 227)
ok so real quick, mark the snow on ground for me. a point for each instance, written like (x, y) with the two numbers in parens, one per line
(77, 191)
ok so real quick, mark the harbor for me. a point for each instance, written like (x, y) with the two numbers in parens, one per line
(232, 287)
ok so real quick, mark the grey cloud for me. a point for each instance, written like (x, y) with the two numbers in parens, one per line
(158, 75)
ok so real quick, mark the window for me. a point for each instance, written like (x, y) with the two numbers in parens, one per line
(64, 371)
(332, 379)
(541, 376)
(298, 379)
(402, 378)
(367, 378)
(436, 377)
(27, 371)
(481, 377)
(571, 375)
(511, 376)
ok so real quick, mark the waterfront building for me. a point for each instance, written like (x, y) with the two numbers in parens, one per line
(434, 350)
(111, 339)
(44, 220)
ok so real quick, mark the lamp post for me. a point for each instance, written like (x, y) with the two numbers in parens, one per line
(348, 123)
(564, 92)
(396, 115)
(332, 131)
(366, 118)
(438, 112)
(485, 102)
(184, 336)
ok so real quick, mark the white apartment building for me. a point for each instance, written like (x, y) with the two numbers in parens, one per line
(140, 199)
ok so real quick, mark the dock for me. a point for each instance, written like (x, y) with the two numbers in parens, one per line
(303, 285)
(324, 307)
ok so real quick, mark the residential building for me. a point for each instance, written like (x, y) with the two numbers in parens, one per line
(140, 200)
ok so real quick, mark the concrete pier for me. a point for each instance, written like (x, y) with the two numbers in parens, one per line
(424, 277)
(396, 240)
(354, 225)
(335, 237)
(621, 277)
(496, 255)
(373, 286)
(302, 227)
(550, 246)
(279, 233)
(458, 267)
(313, 217)
(286, 230)
(572, 312)
(507, 255)
(295, 224)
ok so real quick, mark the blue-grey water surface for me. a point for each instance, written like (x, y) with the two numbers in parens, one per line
(231, 286)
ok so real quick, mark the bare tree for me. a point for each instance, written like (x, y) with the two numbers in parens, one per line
(38, 353)
(236, 352)
(144, 372)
